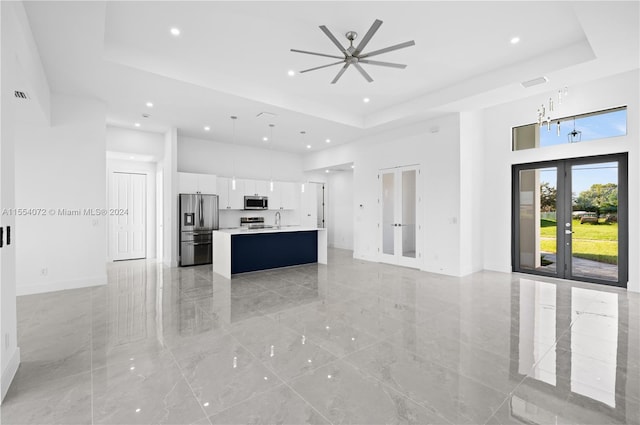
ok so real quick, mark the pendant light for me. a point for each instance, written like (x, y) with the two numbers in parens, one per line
(271, 157)
(574, 136)
(302, 133)
(233, 162)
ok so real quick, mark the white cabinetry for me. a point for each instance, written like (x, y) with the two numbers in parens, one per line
(256, 187)
(285, 196)
(290, 196)
(229, 198)
(309, 216)
(193, 183)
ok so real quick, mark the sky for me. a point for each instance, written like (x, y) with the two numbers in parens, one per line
(598, 126)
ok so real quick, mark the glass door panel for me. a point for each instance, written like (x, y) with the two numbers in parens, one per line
(593, 248)
(537, 214)
(409, 213)
(388, 213)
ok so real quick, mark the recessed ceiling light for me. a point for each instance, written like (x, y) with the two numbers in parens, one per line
(291, 73)
(366, 100)
(137, 124)
(132, 157)
(149, 104)
(353, 166)
(207, 128)
(326, 171)
(328, 140)
(515, 40)
(265, 139)
(175, 31)
(308, 146)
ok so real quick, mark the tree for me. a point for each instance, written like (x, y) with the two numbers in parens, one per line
(599, 198)
(548, 196)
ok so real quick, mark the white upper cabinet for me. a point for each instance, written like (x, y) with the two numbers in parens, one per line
(223, 193)
(290, 196)
(275, 196)
(187, 183)
(193, 183)
(256, 187)
(236, 196)
(230, 198)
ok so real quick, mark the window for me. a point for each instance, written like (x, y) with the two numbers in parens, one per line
(581, 128)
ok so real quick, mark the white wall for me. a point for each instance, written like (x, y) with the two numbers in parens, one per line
(22, 70)
(498, 159)
(62, 167)
(135, 142)
(472, 189)
(168, 167)
(340, 209)
(209, 157)
(149, 169)
(434, 145)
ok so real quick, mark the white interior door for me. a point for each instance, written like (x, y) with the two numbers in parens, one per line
(127, 205)
(399, 205)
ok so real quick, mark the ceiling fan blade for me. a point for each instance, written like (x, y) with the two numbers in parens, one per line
(389, 49)
(334, 40)
(317, 54)
(363, 72)
(389, 64)
(320, 67)
(342, 70)
(367, 37)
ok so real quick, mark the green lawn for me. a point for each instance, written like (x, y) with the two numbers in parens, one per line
(598, 242)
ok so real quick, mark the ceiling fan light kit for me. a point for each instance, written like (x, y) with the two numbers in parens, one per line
(354, 55)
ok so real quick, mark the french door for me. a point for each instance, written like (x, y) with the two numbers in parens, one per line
(399, 206)
(570, 219)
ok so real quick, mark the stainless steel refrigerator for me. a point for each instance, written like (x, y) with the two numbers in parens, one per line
(198, 218)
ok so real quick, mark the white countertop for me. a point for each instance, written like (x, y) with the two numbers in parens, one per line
(281, 229)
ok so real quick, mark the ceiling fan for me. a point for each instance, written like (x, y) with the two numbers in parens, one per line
(354, 55)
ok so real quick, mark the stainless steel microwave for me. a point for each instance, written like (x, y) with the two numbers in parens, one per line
(256, 203)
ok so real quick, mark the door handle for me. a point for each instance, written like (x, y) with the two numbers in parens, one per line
(568, 232)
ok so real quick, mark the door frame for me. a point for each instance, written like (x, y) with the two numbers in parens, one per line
(563, 190)
(397, 258)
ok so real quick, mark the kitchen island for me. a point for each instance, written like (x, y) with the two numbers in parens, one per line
(243, 250)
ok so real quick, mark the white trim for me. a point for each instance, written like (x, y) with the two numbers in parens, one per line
(9, 372)
(39, 288)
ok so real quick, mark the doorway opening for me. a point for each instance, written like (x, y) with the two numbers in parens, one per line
(569, 219)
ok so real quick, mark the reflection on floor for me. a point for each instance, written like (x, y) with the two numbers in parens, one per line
(347, 342)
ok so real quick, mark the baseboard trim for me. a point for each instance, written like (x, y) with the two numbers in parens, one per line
(40, 288)
(9, 372)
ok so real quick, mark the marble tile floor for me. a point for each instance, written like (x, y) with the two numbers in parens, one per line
(348, 342)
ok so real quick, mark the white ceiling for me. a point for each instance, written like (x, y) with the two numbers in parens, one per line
(232, 58)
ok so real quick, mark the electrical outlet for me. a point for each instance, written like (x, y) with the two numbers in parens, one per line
(44, 271)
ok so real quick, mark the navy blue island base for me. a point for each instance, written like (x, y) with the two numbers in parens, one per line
(261, 251)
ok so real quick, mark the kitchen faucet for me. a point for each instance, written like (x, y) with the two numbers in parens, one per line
(278, 218)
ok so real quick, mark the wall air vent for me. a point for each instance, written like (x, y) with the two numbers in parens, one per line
(21, 95)
(266, 115)
(534, 82)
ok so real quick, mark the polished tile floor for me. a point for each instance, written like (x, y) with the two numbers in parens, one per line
(349, 342)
